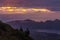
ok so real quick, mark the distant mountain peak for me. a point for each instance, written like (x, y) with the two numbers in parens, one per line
(28, 20)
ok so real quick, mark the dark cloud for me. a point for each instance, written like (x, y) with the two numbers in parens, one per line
(50, 4)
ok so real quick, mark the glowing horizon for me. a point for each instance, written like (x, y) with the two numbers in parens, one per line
(22, 10)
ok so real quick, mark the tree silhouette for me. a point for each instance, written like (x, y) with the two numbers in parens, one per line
(27, 32)
(21, 29)
(8, 33)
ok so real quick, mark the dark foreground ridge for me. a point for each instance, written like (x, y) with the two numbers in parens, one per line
(8, 33)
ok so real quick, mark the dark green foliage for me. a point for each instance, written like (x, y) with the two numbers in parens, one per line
(8, 33)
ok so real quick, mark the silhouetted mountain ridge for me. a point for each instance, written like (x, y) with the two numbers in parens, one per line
(8, 33)
(53, 25)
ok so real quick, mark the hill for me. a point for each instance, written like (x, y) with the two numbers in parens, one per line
(49, 30)
(9, 33)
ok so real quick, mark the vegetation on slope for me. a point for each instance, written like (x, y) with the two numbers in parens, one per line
(8, 33)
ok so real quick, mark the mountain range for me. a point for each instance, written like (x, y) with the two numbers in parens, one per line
(50, 25)
(39, 30)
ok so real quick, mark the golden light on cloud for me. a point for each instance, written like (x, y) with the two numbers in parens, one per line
(44, 10)
(41, 10)
(22, 10)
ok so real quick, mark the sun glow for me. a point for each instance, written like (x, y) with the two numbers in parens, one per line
(22, 10)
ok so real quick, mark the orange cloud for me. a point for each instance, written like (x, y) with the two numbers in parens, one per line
(22, 10)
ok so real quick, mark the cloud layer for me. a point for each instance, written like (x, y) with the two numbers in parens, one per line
(53, 5)
(33, 16)
(50, 4)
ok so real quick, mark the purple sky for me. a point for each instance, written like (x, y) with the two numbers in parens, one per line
(50, 4)
(53, 5)
(34, 16)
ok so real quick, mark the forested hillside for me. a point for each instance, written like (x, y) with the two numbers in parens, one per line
(8, 33)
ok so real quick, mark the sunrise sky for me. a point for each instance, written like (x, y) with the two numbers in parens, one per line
(38, 10)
